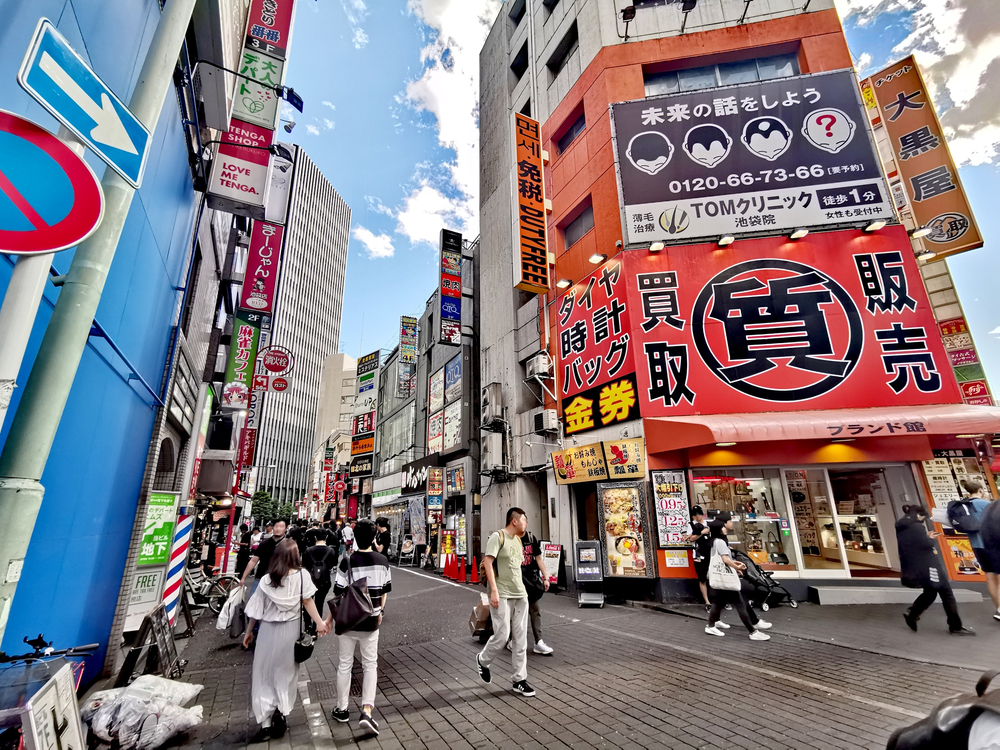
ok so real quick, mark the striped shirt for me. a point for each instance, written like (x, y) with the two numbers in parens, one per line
(373, 566)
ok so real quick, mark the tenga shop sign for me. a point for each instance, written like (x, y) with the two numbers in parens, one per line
(750, 159)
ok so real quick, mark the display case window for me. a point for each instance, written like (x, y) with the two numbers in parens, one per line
(761, 521)
(814, 518)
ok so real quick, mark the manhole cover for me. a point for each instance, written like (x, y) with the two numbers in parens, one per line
(325, 690)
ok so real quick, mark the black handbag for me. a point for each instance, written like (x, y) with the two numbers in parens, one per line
(306, 640)
(353, 606)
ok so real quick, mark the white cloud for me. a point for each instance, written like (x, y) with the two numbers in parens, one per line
(331, 105)
(376, 205)
(995, 331)
(356, 12)
(862, 63)
(312, 130)
(376, 245)
(448, 89)
(957, 45)
(360, 38)
(328, 124)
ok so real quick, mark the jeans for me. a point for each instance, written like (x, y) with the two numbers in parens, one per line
(926, 599)
(369, 664)
(510, 619)
(720, 598)
(535, 615)
(320, 598)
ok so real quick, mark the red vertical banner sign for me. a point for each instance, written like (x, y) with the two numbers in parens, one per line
(261, 276)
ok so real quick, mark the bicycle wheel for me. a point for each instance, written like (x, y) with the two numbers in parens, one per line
(219, 592)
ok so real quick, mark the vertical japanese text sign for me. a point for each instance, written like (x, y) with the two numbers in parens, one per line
(159, 529)
(407, 366)
(262, 267)
(450, 331)
(242, 355)
(924, 162)
(531, 263)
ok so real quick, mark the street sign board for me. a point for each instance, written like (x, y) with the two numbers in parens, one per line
(54, 74)
(49, 198)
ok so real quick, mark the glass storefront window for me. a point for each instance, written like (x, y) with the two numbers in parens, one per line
(815, 519)
(755, 498)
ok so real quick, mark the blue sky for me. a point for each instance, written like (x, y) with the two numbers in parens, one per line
(390, 91)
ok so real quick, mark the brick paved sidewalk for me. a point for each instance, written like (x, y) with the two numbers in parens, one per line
(620, 677)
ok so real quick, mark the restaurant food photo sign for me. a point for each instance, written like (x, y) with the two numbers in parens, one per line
(624, 530)
(753, 158)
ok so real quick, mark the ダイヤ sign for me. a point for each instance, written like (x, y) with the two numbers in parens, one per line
(755, 158)
(66, 86)
(53, 200)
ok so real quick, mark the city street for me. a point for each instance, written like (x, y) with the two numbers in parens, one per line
(831, 677)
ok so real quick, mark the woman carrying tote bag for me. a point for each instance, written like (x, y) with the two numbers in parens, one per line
(724, 579)
(277, 604)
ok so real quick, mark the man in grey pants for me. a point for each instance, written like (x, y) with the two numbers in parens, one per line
(508, 602)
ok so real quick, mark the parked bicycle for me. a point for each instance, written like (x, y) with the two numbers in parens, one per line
(211, 591)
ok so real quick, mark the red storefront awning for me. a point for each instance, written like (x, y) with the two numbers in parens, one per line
(673, 433)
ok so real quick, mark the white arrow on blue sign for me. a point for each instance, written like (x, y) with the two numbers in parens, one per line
(54, 74)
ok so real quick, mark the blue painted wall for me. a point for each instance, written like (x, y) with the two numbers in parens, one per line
(73, 571)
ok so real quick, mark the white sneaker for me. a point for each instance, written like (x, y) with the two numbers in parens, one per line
(996, 615)
(509, 647)
(713, 631)
(723, 625)
(542, 648)
(763, 625)
(758, 636)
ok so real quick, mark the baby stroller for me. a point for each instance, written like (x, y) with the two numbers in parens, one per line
(761, 588)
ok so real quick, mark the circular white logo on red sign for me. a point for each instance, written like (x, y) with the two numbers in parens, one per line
(277, 360)
(279, 384)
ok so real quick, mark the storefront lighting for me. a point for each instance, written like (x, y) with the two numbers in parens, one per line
(842, 440)
(798, 234)
(926, 255)
(971, 437)
(726, 239)
(597, 258)
(920, 232)
(564, 283)
(724, 445)
(875, 226)
(656, 247)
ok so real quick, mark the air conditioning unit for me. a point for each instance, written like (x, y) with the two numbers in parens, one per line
(492, 457)
(546, 420)
(539, 366)
(492, 403)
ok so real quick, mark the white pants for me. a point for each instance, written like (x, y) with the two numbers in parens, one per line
(369, 663)
(510, 621)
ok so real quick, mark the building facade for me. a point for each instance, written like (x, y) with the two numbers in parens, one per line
(307, 322)
(670, 389)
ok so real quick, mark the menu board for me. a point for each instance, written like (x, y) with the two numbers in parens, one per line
(945, 474)
(460, 541)
(626, 458)
(435, 433)
(623, 527)
(670, 503)
(551, 553)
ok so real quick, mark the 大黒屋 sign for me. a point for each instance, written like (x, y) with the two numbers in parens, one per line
(531, 262)
(755, 158)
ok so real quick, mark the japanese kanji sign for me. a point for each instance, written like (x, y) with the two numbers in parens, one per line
(626, 458)
(154, 549)
(242, 356)
(450, 290)
(581, 463)
(670, 505)
(269, 26)
(262, 267)
(594, 328)
(923, 160)
(962, 352)
(407, 340)
(608, 404)
(531, 257)
(255, 99)
(756, 158)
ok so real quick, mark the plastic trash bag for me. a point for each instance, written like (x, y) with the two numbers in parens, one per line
(144, 715)
(154, 687)
(234, 600)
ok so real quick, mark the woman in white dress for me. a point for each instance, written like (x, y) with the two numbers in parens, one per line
(276, 605)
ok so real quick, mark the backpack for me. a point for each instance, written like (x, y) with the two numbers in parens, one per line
(963, 517)
(482, 565)
(319, 571)
(950, 724)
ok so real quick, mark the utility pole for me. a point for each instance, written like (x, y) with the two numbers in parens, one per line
(34, 425)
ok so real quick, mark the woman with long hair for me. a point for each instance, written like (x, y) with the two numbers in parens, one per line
(277, 604)
(720, 597)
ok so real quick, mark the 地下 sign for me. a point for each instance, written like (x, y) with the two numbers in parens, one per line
(261, 275)
(755, 158)
(57, 77)
(531, 261)
(920, 151)
(53, 200)
(154, 549)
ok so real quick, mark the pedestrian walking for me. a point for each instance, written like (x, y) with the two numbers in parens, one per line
(368, 564)
(268, 532)
(921, 567)
(320, 561)
(722, 559)
(508, 602)
(701, 537)
(536, 583)
(989, 533)
(255, 538)
(261, 560)
(967, 516)
(277, 604)
(243, 551)
(382, 536)
(347, 537)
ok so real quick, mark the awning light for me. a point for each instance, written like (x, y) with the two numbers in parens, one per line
(726, 239)
(597, 258)
(798, 234)
(875, 226)
(564, 283)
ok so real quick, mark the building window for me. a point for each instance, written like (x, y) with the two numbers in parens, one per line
(579, 226)
(569, 44)
(517, 9)
(345, 418)
(192, 290)
(520, 64)
(571, 135)
(348, 382)
(724, 74)
(347, 399)
(166, 465)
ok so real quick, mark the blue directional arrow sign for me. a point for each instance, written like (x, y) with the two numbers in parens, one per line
(66, 86)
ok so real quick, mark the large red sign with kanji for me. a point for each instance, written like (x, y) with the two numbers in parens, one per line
(838, 320)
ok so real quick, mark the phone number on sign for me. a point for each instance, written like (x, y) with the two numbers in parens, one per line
(749, 178)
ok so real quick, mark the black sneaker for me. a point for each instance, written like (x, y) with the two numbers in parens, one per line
(523, 688)
(484, 672)
(963, 631)
(278, 725)
(262, 736)
(367, 724)
(911, 621)
(342, 716)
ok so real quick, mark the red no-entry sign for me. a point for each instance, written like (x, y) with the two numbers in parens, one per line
(49, 198)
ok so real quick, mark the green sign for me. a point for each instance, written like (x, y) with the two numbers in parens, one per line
(242, 355)
(159, 529)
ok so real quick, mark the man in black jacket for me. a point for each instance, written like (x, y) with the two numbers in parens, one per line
(921, 567)
(320, 560)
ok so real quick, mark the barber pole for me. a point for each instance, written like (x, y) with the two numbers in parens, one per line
(175, 569)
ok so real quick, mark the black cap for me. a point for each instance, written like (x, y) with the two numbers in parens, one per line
(696, 510)
(721, 519)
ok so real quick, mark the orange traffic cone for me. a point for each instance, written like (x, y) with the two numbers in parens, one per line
(447, 567)
(461, 570)
(474, 578)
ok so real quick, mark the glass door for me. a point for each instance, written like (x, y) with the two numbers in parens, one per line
(815, 517)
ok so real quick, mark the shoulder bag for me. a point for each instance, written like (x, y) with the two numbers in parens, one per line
(354, 605)
(720, 576)
(306, 641)
(482, 564)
